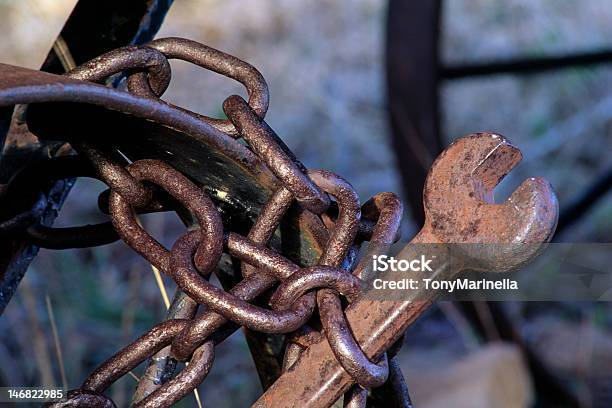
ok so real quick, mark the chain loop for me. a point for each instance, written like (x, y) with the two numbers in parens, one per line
(316, 277)
(158, 337)
(83, 399)
(131, 58)
(275, 153)
(342, 227)
(115, 175)
(230, 306)
(216, 61)
(193, 198)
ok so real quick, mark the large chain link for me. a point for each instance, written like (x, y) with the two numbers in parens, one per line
(147, 185)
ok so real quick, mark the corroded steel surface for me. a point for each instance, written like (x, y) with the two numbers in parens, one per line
(195, 166)
(458, 209)
(92, 28)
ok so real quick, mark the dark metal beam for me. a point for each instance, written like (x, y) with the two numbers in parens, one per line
(526, 65)
(93, 28)
(585, 201)
(412, 92)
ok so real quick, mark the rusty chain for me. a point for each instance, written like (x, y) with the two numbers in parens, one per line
(151, 185)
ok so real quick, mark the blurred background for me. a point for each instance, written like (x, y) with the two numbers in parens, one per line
(324, 62)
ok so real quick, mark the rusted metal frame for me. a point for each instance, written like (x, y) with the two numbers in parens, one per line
(584, 201)
(216, 61)
(525, 65)
(79, 91)
(93, 27)
(411, 64)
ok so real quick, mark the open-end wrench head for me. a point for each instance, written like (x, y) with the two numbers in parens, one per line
(459, 206)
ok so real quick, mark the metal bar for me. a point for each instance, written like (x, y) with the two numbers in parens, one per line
(412, 93)
(93, 27)
(586, 200)
(526, 65)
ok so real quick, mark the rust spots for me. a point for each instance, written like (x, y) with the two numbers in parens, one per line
(471, 230)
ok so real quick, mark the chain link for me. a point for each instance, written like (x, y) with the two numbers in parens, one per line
(145, 185)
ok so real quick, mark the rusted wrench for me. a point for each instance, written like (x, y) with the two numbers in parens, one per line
(459, 208)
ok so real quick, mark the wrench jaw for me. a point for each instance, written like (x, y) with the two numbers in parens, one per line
(533, 212)
(459, 206)
(496, 157)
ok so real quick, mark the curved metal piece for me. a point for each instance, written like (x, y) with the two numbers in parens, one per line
(127, 58)
(24, 219)
(83, 236)
(315, 277)
(193, 198)
(347, 223)
(259, 256)
(337, 331)
(346, 349)
(37, 176)
(226, 157)
(204, 325)
(216, 61)
(272, 267)
(188, 379)
(233, 174)
(83, 399)
(249, 288)
(268, 221)
(158, 337)
(385, 210)
(230, 306)
(115, 175)
(270, 148)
